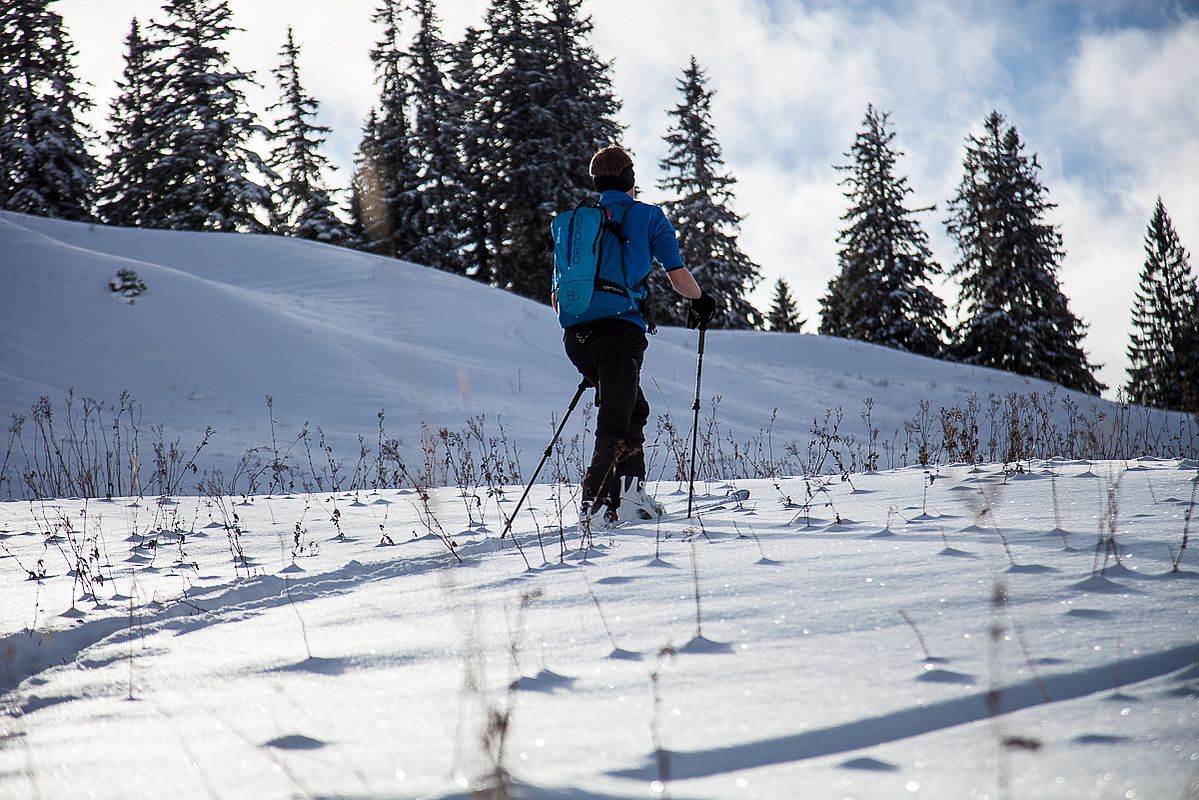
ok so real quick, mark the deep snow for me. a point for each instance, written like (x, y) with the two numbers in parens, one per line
(334, 336)
(333, 645)
(362, 669)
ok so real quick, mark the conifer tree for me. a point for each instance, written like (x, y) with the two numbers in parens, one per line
(366, 209)
(531, 103)
(517, 97)
(585, 107)
(387, 167)
(1164, 350)
(881, 293)
(470, 206)
(706, 225)
(434, 139)
(124, 194)
(784, 315)
(45, 168)
(303, 208)
(205, 175)
(1015, 316)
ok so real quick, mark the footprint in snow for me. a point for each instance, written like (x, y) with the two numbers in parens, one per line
(701, 644)
(868, 764)
(1099, 738)
(1090, 613)
(544, 681)
(937, 675)
(1029, 569)
(295, 741)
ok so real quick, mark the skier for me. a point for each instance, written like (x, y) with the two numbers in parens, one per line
(608, 350)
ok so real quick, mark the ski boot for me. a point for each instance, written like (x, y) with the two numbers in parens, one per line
(636, 503)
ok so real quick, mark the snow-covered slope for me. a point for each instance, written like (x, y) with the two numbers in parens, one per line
(944, 633)
(334, 336)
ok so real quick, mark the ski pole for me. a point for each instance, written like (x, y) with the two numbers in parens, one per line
(583, 385)
(699, 371)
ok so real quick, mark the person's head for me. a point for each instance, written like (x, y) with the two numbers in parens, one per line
(612, 168)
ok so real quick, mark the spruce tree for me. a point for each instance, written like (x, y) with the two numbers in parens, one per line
(530, 103)
(1164, 352)
(1016, 317)
(303, 207)
(123, 195)
(434, 137)
(45, 167)
(517, 97)
(387, 167)
(784, 315)
(881, 293)
(469, 217)
(585, 107)
(366, 208)
(700, 210)
(205, 176)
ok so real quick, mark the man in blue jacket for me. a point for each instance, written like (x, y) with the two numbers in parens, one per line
(609, 351)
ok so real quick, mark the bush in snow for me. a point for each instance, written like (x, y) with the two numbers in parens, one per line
(127, 283)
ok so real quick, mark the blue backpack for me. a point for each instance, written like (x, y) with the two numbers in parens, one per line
(589, 269)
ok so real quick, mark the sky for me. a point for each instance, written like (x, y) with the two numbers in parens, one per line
(1102, 91)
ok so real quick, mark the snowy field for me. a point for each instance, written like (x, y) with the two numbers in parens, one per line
(955, 633)
(334, 336)
(1016, 631)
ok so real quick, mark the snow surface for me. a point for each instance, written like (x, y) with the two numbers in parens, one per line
(362, 644)
(334, 336)
(363, 669)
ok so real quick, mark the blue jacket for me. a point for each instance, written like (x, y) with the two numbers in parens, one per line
(651, 238)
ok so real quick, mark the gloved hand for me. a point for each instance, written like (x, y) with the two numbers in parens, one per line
(701, 311)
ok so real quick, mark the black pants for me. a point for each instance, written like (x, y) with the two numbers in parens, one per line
(609, 353)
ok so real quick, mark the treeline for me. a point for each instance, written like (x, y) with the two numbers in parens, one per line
(473, 145)
(1014, 315)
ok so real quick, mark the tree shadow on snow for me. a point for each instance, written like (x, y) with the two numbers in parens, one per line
(908, 722)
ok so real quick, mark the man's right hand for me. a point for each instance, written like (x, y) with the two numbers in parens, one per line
(701, 311)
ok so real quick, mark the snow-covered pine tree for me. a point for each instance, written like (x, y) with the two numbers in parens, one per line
(531, 103)
(435, 135)
(784, 315)
(585, 107)
(700, 211)
(1016, 317)
(205, 174)
(45, 167)
(469, 209)
(123, 195)
(303, 207)
(1164, 351)
(881, 293)
(387, 167)
(832, 310)
(517, 97)
(366, 210)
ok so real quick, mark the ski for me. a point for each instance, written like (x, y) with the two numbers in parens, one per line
(706, 507)
(737, 496)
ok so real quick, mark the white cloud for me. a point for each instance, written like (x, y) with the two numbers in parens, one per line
(1131, 107)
